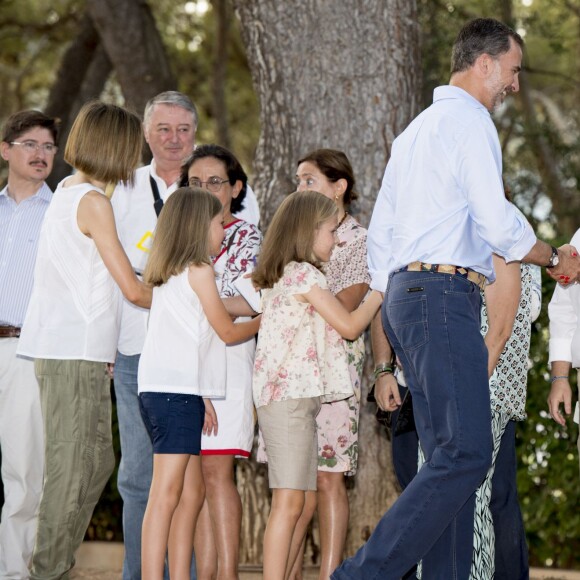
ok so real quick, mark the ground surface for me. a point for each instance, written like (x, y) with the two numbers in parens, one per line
(104, 561)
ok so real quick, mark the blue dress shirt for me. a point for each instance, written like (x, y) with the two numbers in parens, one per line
(442, 198)
(20, 225)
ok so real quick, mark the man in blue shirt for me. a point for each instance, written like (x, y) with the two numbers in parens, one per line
(29, 143)
(439, 216)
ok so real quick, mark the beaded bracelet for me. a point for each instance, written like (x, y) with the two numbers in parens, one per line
(383, 369)
(560, 377)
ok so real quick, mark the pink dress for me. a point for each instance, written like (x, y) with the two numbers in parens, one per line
(337, 421)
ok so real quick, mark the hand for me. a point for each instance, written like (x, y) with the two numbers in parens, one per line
(387, 392)
(210, 423)
(560, 393)
(568, 270)
(111, 370)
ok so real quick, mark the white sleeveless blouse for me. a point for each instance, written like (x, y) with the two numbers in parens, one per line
(75, 308)
(182, 352)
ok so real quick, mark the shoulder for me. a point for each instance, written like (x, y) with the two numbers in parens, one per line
(200, 274)
(245, 230)
(302, 275)
(96, 200)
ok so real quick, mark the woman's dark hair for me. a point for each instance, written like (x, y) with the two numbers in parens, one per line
(233, 167)
(334, 165)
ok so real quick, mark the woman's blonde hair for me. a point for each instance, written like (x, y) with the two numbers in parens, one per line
(290, 236)
(105, 142)
(182, 234)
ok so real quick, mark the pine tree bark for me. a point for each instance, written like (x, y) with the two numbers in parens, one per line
(133, 43)
(344, 75)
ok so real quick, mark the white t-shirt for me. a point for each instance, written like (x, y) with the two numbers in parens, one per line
(75, 308)
(182, 352)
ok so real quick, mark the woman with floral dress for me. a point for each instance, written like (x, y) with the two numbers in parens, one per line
(329, 172)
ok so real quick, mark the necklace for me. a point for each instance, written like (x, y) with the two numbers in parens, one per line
(342, 219)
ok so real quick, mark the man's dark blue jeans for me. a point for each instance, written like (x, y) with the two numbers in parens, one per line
(432, 321)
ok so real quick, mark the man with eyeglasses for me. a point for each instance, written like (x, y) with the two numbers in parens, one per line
(169, 123)
(28, 146)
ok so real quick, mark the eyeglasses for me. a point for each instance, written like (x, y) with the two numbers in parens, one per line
(33, 146)
(213, 184)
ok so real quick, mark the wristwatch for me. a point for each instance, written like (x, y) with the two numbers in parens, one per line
(554, 258)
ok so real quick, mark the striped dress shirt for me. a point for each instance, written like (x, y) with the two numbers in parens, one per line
(20, 225)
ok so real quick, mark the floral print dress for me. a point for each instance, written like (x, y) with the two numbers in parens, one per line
(298, 354)
(337, 422)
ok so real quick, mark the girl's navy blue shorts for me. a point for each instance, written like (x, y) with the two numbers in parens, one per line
(173, 421)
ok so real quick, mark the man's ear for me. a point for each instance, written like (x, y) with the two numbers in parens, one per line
(4, 147)
(484, 65)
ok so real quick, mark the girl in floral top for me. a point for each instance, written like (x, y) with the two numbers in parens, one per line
(300, 358)
(329, 172)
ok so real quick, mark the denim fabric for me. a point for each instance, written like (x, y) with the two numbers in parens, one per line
(136, 467)
(432, 321)
(174, 421)
(511, 550)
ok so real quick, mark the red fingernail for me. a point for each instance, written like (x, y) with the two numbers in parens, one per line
(574, 254)
(562, 277)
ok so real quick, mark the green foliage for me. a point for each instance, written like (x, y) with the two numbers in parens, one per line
(548, 465)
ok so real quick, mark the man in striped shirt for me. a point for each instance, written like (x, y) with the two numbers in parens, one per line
(29, 143)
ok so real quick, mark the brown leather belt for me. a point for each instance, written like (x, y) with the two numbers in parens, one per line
(9, 332)
(473, 276)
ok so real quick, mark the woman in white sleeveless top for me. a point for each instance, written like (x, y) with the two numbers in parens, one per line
(72, 324)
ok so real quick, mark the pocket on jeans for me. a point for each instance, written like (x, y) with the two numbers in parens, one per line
(408, 318)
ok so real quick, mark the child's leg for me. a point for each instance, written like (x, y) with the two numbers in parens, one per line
(166, 487)
(182, 529)
(296, 558)
(287, 505)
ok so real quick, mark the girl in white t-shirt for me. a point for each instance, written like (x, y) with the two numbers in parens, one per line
(300, 359)
(183, 360)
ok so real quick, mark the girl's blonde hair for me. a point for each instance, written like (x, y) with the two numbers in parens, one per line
(182, 234)
(105, 142)
(290, 236)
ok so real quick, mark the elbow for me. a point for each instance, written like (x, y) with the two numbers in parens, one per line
(136, 295)
(133, 295)
(351, 333)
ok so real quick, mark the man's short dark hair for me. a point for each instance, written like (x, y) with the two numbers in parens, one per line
(23, 121)
(481, 36)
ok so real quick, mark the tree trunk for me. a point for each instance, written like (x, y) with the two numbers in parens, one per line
(344, 75)
(132, 41)
(330, 74)
(219, 73)
(71, 75)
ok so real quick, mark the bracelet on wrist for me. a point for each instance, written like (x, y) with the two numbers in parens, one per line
(553, 379)
(384, 369)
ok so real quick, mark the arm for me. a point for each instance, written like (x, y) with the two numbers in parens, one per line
(502, 299)
(237, 306)
(352, 296)
(566, 272)
(386, 387)
(96, 220)
(210, 422)
(561, 392)
(348, 324)
(201, 279)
